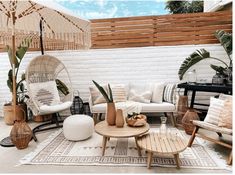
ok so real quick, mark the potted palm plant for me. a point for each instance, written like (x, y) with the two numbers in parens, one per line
(111, 110)
(226, 71)
(20, 88)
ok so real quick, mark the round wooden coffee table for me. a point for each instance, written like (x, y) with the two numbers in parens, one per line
(155, 143)
(108, 131)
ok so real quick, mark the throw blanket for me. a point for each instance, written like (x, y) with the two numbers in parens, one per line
(129, 107)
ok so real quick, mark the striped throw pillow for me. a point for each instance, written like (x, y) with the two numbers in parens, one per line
(226, 116)
(169, 93)
(214, 111)
(119, 92)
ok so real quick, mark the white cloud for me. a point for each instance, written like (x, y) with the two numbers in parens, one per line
(101, 3)
(109, 13)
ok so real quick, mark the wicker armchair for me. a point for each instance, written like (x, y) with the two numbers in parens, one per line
(41, 76)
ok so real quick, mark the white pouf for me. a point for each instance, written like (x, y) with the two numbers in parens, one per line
(78, 127)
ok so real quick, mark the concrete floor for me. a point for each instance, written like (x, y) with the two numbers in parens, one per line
(9, 158)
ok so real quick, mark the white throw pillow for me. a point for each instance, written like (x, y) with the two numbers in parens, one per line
(214, 111)
(157, 90)
(96, 96)
(140, 93)
(119, 92)
(45, 93)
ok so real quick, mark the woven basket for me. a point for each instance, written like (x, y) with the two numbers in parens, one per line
(190, 115)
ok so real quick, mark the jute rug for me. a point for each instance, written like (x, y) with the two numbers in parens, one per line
(119, 152)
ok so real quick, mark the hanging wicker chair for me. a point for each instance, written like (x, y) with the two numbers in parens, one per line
(49, 89)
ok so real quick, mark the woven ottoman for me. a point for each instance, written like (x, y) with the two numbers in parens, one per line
(78, 127)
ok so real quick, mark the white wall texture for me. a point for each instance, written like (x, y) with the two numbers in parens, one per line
(122, 65)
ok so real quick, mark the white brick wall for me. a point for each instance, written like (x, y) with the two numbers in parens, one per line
(140, 65)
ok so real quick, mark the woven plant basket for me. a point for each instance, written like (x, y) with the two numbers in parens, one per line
(190, 115)
(21, 134)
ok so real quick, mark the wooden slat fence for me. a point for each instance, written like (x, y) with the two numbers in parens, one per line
(165, 30)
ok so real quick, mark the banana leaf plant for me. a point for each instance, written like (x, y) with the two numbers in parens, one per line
(225, 40)
(108, 99)
(17, 59)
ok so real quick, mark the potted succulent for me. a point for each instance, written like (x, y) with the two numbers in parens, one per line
(111, 110)
(20, 88)
(226, 71)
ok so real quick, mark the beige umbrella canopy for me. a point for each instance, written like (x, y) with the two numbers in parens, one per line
(22, 18)
(58, 23)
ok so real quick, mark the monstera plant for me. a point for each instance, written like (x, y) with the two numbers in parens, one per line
(226, 41)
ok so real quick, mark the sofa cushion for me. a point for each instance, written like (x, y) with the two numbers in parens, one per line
(96, 96)
(140, 93)
(146, 108)
(157, 89)
(119, 92)
(226, 116)
(169, 93)
(214, 111)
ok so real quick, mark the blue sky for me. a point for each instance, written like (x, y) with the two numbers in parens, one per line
(96, 9)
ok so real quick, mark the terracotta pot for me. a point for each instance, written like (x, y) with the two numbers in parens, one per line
(42, 118)
(111, 114)
(190, 115)
(9, 113)
(119, 118)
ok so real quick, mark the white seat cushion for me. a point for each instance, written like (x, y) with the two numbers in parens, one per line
(146, 107)
(45, 109)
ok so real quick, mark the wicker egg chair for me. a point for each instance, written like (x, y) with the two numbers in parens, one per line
(44, 75)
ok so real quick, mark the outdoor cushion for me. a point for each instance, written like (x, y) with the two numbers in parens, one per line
(45, 109)
(96, 96)
(149, 107)
(214, 111)
(226, 115)
(45, 93)
(169, 93)
(119, 92)
(212, 127)
(157, 89)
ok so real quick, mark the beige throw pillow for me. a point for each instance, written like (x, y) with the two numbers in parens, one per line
(226, 115)
(45, 93)
(158, 89)
(119, 92)
(96, 96)
(214, 111)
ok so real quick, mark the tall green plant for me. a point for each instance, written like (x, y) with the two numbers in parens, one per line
(17, 59)
(226, 41)
(108, 99)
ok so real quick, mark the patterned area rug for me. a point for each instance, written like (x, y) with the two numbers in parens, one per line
(119, 152)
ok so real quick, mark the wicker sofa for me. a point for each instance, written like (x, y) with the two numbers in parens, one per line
(166, 107)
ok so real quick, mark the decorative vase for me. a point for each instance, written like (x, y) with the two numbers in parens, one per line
(21, 134)
(111, 114)
(163, 127)
(190, 115)
(192, 76)
(119, 118)
(182, 108)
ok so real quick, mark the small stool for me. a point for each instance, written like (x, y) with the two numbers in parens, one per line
(78, 127)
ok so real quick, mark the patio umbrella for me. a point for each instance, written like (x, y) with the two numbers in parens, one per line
(23, 16)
